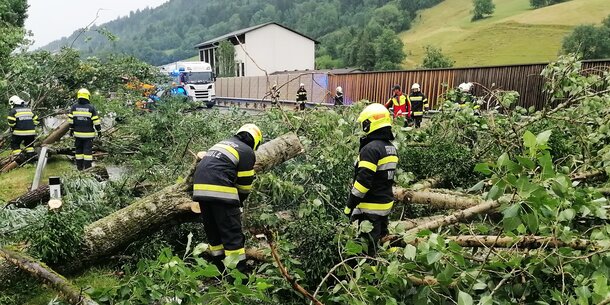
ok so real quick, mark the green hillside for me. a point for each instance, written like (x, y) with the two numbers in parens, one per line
(514, 34)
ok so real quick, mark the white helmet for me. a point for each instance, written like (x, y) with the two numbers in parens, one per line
(302, 85)
(339, 89)
(465, 87)
(416, 86)
(15, 100)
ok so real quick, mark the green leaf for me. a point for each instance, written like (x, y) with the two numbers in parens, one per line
(433, 257)
(512, 211)
(410, 252)
(365, 227)
(543, 137)
(209, 271)
(567, 215)
(486, 300)
(464, 298)
(503, 160)
(531, 221)
(477, 187)
(525, 162)
(262, 285)
(511, 223)
(353, 248)
(529, 139)
(482, 168)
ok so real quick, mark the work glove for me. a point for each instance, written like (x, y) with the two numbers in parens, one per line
(99, 134)
(348, 212)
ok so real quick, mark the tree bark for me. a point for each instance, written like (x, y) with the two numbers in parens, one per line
(426, 184)
(38, 270)
(596, 174)
(455, 217)
(436, 200)
(149, 214)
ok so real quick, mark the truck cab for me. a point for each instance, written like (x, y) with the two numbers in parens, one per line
(197, 79)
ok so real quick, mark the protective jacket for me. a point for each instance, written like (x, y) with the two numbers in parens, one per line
(84, 120)
(22, 121)
(225, 174)
(374, 175)
(401, 105)
(419, 103)
(301, 95)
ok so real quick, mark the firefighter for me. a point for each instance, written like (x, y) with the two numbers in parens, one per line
(274, 93)
(222, 182)
(84, 123)
(419, 104)
(339, 96)
(371, 196)
(22, 122)
(302, 96)
(401, 105)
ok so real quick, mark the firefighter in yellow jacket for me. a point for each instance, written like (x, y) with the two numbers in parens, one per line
(222, 181)
(371, 196)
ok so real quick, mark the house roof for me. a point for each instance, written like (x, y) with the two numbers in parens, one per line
(247, 30)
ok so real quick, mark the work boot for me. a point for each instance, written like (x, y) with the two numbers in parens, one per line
(79, 165)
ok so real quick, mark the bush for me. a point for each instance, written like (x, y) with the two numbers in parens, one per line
(482, 8)
(435, 58)
(591, 42)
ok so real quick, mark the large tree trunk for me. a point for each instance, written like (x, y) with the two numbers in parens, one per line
(521, 242)
(38, 270)
(436, 200)
(149, 214)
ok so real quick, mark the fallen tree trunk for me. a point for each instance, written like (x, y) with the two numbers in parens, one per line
(426, 184)
(38, 270)
(149, 214)
(436, 200)
(33, 198)
(456, 217)
(596, 174)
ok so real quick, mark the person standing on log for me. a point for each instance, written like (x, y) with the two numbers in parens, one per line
(84, 122)
(222, 182)
(419, 104)
(301, 96)
(401, 105)
(22, 122)
(371, 196)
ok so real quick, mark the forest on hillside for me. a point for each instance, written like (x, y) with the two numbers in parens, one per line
(360, 33)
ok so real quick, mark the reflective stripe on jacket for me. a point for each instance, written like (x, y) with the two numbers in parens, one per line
(419, 103)
(22, 121)
(84, 120)
(401, 106)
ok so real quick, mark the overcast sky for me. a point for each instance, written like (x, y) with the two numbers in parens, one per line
(52, 19)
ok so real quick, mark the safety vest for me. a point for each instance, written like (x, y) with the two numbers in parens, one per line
(401, 105)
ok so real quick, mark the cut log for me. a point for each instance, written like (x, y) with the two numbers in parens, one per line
(38, 270)
(456, 217)
(33, 198)
(149, 214)
(412, 223)
(436, 200)
(426, 184)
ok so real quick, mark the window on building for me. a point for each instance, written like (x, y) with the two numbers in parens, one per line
(243, 69)
(201, 57)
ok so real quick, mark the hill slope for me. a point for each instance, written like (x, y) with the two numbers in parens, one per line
(514, 34)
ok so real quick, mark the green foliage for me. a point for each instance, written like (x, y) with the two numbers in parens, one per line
(169, 32)
(482, 8)
(226, 59)
(543, 3)
(435, 58)
(12, 18)
(591, 42)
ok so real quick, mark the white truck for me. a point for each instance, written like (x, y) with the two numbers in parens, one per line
(196, 78)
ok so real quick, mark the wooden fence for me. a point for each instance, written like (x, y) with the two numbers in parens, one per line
(376, 86)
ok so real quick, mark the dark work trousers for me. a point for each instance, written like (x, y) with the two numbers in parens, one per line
(417, 120)
(222, 224)
(83, 153)
(302, 105)
(380, 230)
(27, 141)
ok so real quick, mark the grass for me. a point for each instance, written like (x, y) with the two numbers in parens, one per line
(96, 277)
(17, 182)
(514, 34)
